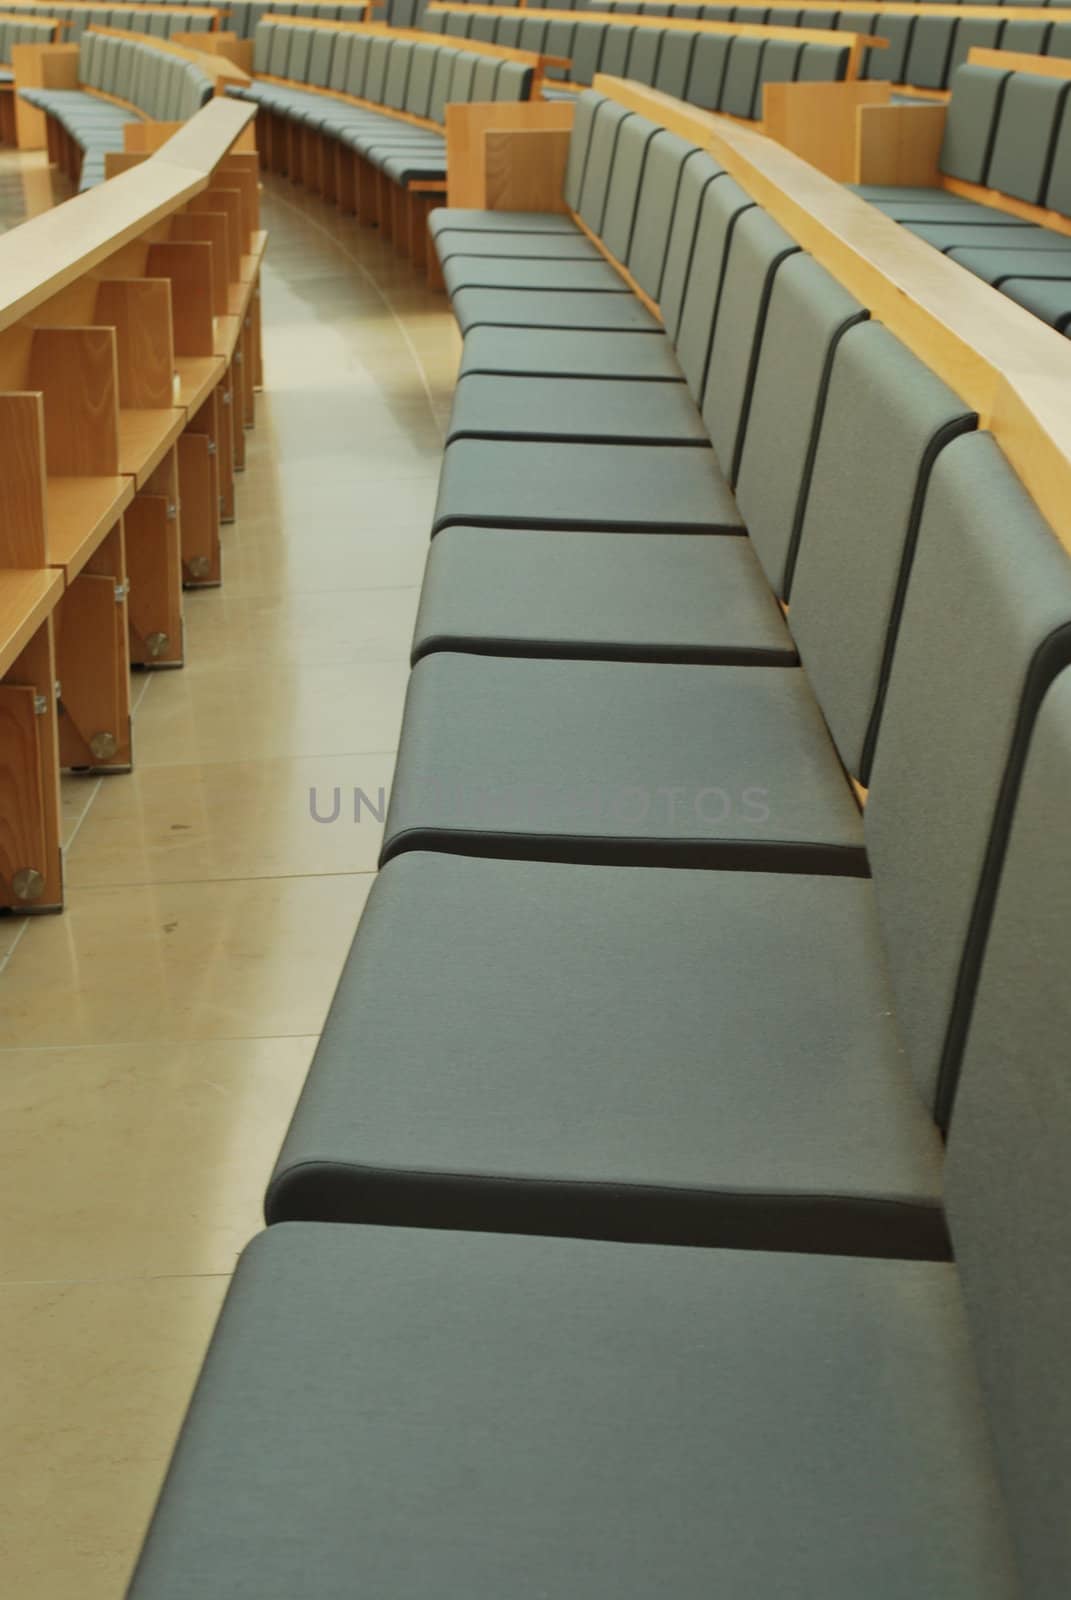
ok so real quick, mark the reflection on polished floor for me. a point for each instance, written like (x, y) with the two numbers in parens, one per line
(155, 1036)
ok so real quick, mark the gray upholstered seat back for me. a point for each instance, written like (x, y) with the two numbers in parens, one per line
(808, 313)
(323, 44)
(340, 63)
(397, 78)
(615, 50)
(643, 55)
(655, 207)
(987, 610)
(928, 54)
(822, 63)
(297, 65)
(465, 64)
(722, 204)
(757, 247)
(601, 148)
(885, 420)
(742, 75)
(440, 85)
(279, 55)
(1027, 127)
(579, 144)
(484, 77)
(588, 42)
(357, 69)
(421, 71)
(708, 70)
(513, 81)
(1008, 1180)
(376, 76)
(626, 176)
(675, 63)
(970, 126)
(1058, 190)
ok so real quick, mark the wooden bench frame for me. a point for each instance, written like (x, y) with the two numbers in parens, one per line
(129, 351)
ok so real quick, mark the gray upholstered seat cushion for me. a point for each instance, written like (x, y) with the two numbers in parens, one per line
(574, 352)
(504, 483)
(947, 208)
(656, 597)
(550, 308)
(490, 407)
(497, 272)
(457, 218)
(996, 265)
(530, 246)
(987, 236)
(425, 1414)
(623, 762)
(1046, 299)
(532, 1047)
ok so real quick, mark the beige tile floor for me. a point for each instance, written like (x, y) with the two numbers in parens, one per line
(154, 1038)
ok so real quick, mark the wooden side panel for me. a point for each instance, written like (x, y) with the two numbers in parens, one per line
(29, 780)
(77, 373)
(817, 121)
(525, 171)
(199, 492)
(466, 126)
(208, 227)
(139, 309)
(154, 564)
(899, 144)
(217, 197)
(188, 263)
(23, 541)
(94, 725)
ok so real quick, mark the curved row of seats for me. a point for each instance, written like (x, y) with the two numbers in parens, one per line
(1009, 132)
(636, 975)
(923, 51)
(161, 86)
(716, 71)
(244, 15)
(161, 21)
(401, 75)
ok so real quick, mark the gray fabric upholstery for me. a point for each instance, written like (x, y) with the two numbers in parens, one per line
(580, 409)
(1008, 1188)
(575, 352)
(659, 597)
(947, 208)
(675, 63)
(808, 312)
(757, 247)
(623, 194)
(970, 127)
(1046, 299)
(997, 265)
(739, 89)
(930, 51)
(550, 308)
(1028, 121)
(998, 234)
(665, 162)
(1058, 190)
(579, 142)
(689, 1111)
(530, 246)
(886, 418)
(708, 70)
(988, 588)
(722, 204)
(643, 55)
(456, 219)
(602, 144)
(496, 483)
(699, 172)
(446, 1399)
(635, 764)
(497, 272)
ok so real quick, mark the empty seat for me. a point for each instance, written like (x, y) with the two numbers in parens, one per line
(577, 352)
(1022, 150)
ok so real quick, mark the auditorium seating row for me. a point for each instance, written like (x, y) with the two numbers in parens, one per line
(165, 88)
(372, 136)
(1010, 133)
(922, 50)
(636, 976)
(244, 15)
(15, 29)
(718, 71)
(129, 355)
(162, 20)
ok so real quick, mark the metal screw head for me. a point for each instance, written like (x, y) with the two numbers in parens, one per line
(103, 746)
(28, 884)
(199, 566)
(157, 645)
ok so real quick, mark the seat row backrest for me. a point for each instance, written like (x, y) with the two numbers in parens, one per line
(921, 51)
(1010, 131)
(165, 87)
(878, 501)
(400, 74)
(716, 71)
(159, 22)
(244, 15)
(23, 31)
